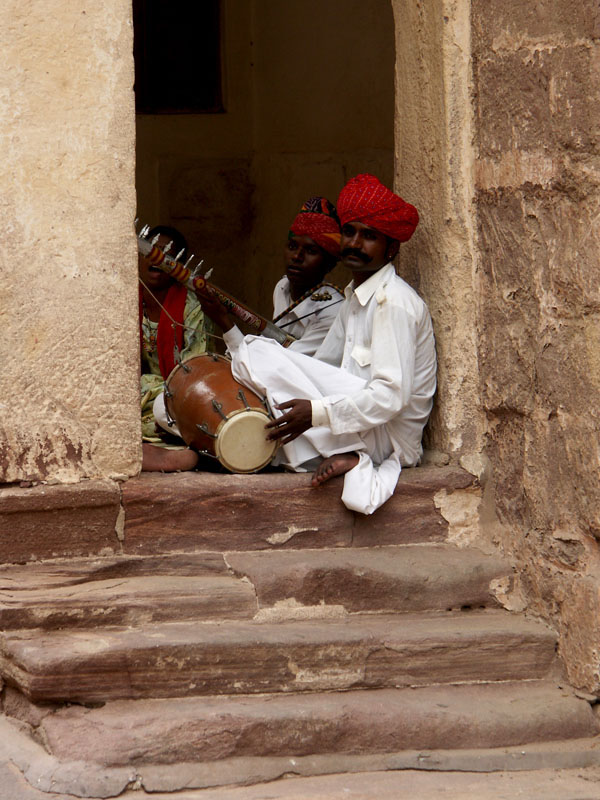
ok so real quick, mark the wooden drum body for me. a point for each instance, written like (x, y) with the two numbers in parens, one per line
(218, 416)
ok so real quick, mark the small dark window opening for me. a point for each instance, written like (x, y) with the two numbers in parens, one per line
(177, 52)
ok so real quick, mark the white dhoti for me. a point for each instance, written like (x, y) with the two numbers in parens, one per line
(281, 375)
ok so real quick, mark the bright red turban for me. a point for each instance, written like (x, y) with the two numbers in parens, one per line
(365, 199)
(318, 219)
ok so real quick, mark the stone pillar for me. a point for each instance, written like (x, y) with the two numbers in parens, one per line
(434, 156)
(69, 347)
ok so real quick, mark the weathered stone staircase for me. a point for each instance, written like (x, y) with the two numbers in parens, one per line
(235, 629)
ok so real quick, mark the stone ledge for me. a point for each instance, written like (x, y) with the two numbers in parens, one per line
(207, 511)
(243, 657)
(58, 521)
(204, 511)
(209, 729)
(560, 770)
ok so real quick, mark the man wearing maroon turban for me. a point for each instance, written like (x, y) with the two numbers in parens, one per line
(305, 304)
(358, 407)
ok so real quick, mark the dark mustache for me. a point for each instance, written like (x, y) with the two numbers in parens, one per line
(351, 251)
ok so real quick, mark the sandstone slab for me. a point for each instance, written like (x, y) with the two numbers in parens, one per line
(130, 733)
(58, 521)
(405, 578)
(72, 571)
(205, 511)
(29, 772)
(127, 601)
(185, 659)
(549, 784)
(410, 514)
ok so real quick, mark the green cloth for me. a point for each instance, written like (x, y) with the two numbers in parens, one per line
(151, 382)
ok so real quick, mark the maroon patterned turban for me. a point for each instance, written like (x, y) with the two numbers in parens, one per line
(318, 219)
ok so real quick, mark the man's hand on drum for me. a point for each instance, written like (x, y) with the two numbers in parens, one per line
(291, 424)
(214, 309)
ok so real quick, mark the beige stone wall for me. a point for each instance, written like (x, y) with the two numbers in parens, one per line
(69, 348)
(497, 121)
(307, 105)
(537, 92)
(433, 126)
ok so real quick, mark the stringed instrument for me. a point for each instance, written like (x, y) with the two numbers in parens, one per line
(182, 273)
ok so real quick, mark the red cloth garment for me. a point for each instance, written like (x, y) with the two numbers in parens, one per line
(365, 199)
(318, 219)
(166, 338)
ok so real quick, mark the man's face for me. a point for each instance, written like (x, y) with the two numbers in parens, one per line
(305, 262)
(364, 249)
(153, 277)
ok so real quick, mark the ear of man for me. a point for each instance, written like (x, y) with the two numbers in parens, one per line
(392, 249)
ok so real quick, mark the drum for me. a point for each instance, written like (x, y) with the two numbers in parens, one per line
(217, 416)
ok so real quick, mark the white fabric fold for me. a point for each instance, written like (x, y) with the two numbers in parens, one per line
(371, 385)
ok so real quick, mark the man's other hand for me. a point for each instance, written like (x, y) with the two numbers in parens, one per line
(291, 424)
(214, 309)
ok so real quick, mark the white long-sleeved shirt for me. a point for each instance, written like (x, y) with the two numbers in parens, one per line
(383, 334)
(378, 402)
(311, 319)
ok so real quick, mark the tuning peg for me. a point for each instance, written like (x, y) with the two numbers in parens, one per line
(208, 273)
(155, 240)
(179, 254)
(187, 263)
(168, 247)
(197, 268)
(144, 232)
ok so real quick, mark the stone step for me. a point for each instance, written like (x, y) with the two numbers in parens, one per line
(29, 772)
(238, 657)
(127, 601)
(547, 784)
(405, 578)
(136, 733)
(203, 511)
(124, 590)
(133, 590)
(71, 571)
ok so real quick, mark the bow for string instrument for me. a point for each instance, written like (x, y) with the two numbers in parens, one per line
(159, 258)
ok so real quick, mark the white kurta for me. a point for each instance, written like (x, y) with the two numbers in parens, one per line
(311, 319)
(371, 385)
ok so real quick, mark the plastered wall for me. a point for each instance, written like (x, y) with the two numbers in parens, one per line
(433, 168)
(324, 112)
(309, 102)
(193, 170)
(69, 354)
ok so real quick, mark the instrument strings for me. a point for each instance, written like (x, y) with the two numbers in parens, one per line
(174, 321)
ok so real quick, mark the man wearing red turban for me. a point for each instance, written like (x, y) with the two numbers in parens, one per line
(358, 407)
(305, 304)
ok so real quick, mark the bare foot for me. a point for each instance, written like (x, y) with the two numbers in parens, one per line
(332, 466)
(161, 459)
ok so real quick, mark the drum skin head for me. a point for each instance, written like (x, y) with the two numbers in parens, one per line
(218, 416)
(242, 444)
